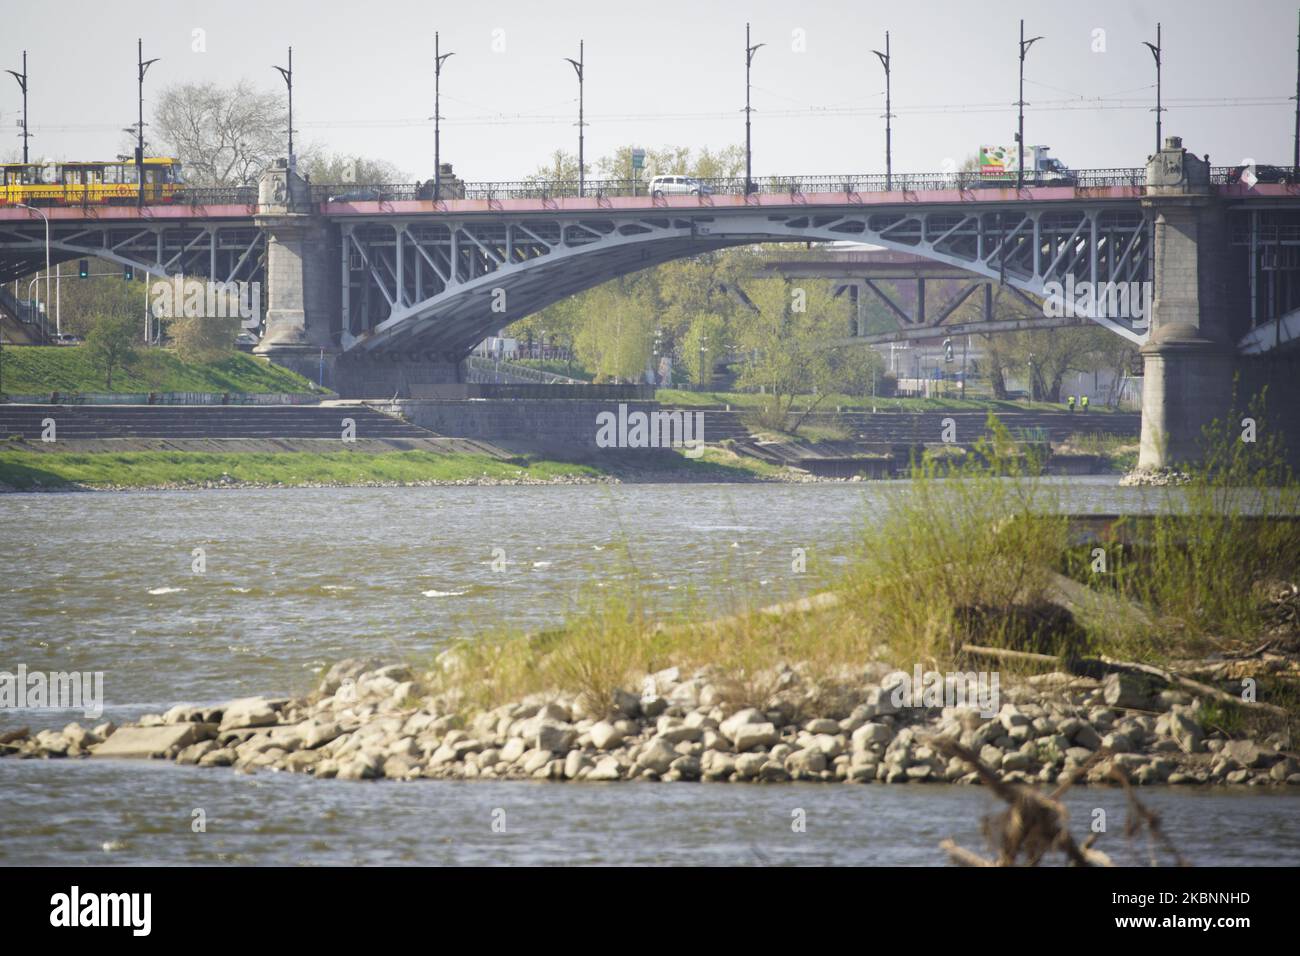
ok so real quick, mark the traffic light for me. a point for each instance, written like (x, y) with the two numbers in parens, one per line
(947, 350)
(83, 268)
(128, 273)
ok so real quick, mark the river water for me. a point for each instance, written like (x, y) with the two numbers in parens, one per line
(294, 579)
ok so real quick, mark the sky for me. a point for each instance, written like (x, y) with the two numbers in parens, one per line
(673, 73)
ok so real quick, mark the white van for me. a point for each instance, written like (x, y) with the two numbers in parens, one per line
(678, 186)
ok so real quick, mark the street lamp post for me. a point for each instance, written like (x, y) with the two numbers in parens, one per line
(22, 83)
(1020, 134)
(287, 73)
(1156, 50)
(578, 68)
(749, 152)
(889, 165)
(438, 59)
(57, 330)
(143, 66)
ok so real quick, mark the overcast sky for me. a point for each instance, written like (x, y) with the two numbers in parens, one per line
(669, 73)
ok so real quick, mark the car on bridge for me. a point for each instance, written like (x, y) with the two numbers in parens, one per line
(662, 186)
(1262, 174)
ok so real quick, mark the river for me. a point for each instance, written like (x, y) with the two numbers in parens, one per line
(294, 579)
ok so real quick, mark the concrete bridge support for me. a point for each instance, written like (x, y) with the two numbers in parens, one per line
(1189, 357)
(301, 277)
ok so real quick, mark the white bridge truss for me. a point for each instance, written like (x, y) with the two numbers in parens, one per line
(224, 250)
(445, 285)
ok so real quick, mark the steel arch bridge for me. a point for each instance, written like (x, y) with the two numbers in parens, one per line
(406, 274)
(416, 284)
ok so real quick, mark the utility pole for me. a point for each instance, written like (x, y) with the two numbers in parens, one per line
(287, 73)
(577, 68)
(1295, 156)
(143, 66)
(1020, 134)
(749, 152)
(438, 59)
(889, 163)
(22, 83)
(1156, 50)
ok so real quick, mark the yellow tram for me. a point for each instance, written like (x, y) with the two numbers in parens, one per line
(89, 183)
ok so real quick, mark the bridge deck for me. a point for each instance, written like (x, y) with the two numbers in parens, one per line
(587, 204)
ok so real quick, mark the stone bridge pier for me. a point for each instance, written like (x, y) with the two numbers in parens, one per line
(304, 276)
(1193, 372)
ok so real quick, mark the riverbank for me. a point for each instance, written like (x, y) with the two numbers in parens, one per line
(29, 469)
(370, 721)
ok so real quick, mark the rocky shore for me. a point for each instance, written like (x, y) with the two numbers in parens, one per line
(371, 721)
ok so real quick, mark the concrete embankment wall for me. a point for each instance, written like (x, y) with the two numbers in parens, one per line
(545, 424)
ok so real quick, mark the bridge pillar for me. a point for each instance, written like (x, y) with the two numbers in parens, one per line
(1188, 358)
(302, 277)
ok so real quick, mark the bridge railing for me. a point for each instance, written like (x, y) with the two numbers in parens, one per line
(721, 186)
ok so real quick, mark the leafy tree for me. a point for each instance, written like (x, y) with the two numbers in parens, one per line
(791, 350)
(203, 338)
(112, 342)
(337, 168)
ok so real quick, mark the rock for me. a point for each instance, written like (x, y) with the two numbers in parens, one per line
(626, 703)
(196, 752)
(575, 763)
(550, 734)
(1245, 752)
(748, 765)
(653, 706)
(822, 726)
(1284, 769)
(149, 741)
(1187, 732)
(717, 765)
(749, 736)
(606, 768)
(675, 730)
(514, 748)
(317, 733)
(248, 712)
(222, 757)
(1087, 736)
(749, 715)
(1126, 690)
(534, 760)
(687, 767)
(78, 736)
(1015, 761)
(658, 755)
(809, 761)
(1117, 743)
(605, 736)
(1238, 776)
(871, 733)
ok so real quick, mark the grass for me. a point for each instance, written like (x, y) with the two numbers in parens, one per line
(754, 401)
(36, 369)
(965, 553)
(27, 470)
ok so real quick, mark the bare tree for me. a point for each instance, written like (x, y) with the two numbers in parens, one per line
(223, 135)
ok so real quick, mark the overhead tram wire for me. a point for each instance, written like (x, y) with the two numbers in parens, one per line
(532, 119)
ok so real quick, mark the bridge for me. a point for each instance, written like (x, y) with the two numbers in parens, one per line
(395, 288)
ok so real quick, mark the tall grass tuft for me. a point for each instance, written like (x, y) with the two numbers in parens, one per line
(963, 553)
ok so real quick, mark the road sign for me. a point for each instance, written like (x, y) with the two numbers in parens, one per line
(638, 158)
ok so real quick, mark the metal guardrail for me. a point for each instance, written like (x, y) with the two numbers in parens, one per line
(163, 398)
(725, 186)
